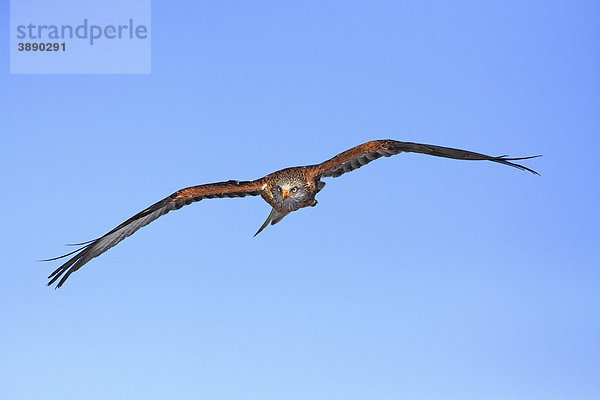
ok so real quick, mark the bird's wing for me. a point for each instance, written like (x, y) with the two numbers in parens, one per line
(363, 154)
(175, 201)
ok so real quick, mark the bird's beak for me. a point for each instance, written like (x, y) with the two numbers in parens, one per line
(285, 194)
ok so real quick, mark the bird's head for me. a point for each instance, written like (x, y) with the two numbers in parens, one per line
(291, 193)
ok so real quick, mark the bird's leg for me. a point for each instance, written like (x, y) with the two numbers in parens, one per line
(320, 185)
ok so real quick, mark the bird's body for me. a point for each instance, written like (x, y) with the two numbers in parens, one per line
(287, 190)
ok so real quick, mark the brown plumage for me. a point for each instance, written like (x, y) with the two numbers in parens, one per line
(287, 190)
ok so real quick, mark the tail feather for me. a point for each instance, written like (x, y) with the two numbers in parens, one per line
(274, 217)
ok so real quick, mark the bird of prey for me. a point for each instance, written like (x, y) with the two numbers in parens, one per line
(287, 190)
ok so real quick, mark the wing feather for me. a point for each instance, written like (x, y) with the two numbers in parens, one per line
(175, 201)
(363, 154)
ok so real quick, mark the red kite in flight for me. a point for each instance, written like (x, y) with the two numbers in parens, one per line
(287, 190)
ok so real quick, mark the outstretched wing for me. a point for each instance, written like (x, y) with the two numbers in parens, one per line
(175, 201)
(363, 154)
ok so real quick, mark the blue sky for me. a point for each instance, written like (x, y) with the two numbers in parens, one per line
(414, 277)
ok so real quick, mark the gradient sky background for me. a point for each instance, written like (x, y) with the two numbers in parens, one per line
(415, 277)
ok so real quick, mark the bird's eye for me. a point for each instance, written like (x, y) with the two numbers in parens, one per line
(294, 189)
(279, 189)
